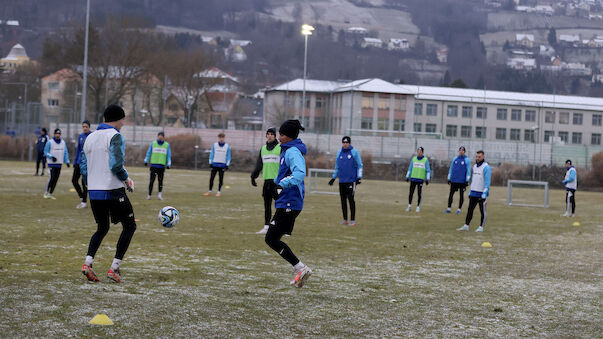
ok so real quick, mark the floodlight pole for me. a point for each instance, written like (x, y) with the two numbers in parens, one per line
(306, 30)
(85, 78)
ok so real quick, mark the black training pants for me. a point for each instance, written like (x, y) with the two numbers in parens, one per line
(41, 159)
(461, 187)
(114, 210)
(215, 170)
(346, 193)
(570, 200)
(267, 194)
(474, 201)
(55, 173)
(413, 185)
(82, 191)
(156, 172)
(282, 224)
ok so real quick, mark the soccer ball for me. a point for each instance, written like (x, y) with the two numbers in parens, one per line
(169, 216)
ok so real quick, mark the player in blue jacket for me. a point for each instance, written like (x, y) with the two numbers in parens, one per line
(480, 190)
(289, 197)
(56, 152)
(219, 161)
(571, 184)
(458, 178)
(348, 167)
(82, 191)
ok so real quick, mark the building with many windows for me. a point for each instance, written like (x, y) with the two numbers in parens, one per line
(377, 106)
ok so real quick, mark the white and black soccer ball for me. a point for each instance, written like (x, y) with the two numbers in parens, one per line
(169, 216)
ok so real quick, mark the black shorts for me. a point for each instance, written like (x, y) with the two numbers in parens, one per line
(347, 188)
(457, 186)
(268, 189)
(118, 208)
(284, 219)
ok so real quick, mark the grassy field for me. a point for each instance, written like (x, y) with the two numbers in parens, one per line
(394, 274)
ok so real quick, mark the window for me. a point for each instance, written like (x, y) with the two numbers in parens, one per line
(368, 101)
(481, 113)
(367, 123)
(549, 117)
(398, 124)
(451, 131)
(501, 114)
(516, 114)
(515, 134)
(173, 107)
(418, 108)
(431, 109)
(597, 119)
(528, 135)
(467, 112)
(416, 127)
(564, 136)
(430, 128)
(466, 131)
(383, 123)
(501, 134)
(595, 139)
(320, 103)
(530, 115)
(383, 103)
(577, 119)
(53, 86)
(53, 102)
(452, 111)
(480, 132)
(318, 123)
(548, 136)
(564, 118)
(576, 138)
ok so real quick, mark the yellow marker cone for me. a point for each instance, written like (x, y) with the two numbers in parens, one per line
(72, 190)
(227, 186)
(486, 244)
(576, 223)
(101, 319)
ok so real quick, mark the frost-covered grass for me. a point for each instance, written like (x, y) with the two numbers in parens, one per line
(394, 274)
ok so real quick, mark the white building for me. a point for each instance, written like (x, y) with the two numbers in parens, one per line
(371, 42)
(521, 63)
(397, 44)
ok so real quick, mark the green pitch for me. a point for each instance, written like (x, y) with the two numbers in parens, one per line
(394, 274)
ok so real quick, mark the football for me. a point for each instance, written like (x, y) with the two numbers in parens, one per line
(169, 216)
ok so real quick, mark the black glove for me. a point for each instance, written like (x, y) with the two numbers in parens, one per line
(358, 182)
(426, 183)
(68, 165)
(168, 167)
(54, 159)
(407, 180)
(146, 164)
(253, 183)
(331, 182)
(226, 168)
(278, 189)
(449, 182)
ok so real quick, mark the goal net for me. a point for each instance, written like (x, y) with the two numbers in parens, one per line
(318, 181)
(528, 193)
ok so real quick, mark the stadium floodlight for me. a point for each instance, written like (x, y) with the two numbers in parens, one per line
(318, 179)
(528, 193)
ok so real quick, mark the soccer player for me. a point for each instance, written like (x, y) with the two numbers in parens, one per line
(418, 173)
(458, 178)
(571, 184)
(102, 166)
(348, 167)
(480, 189)
(267, 163)
(160, 156)
(82, 191)
(219, 161)
(57, 154)
(289, 194)
(41, 141)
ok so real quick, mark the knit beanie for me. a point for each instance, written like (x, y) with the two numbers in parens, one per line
(291, 128)
(113, 113)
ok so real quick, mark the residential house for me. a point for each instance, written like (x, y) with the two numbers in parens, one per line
(397, 44)
(15, 58)
(525, 40)
(569, 39)
(521, 63)
(371, 42)
(59, 96)
(442, 55)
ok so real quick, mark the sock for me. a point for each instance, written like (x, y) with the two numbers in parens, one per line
(115, 264)
(409, 205)
(299, 266)
(89, 260)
